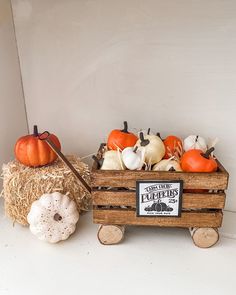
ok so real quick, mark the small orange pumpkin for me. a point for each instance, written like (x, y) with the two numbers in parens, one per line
(197, 161)
(121, 138)
(173, 145)
(33, 152)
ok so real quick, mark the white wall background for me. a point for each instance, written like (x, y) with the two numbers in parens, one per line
(12, 113)
(170, 65)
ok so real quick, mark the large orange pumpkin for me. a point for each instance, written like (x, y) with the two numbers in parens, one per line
(196, 161)
(121, 138)
(33, 152)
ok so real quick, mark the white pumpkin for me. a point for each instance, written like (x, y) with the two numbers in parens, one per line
(53, 217)
(153, 146)
(167, 165)
(133, 158)
(112, 160)
(195, 142)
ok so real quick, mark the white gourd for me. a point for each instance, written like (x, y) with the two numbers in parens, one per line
(167, 165)
(53, 217)
(112, 160)
(133, 158)
(153, 146)
(195, 142)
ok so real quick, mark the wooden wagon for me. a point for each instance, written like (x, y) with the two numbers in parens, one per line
(114, 202)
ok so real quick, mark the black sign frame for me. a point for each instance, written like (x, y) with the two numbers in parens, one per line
(180, 197)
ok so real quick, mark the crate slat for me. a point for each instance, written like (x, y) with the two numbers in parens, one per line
(190, 200)
(188, 219)
(127, 178)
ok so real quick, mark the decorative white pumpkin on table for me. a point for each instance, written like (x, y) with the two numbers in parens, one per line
(170, 164)
(153, 146)
(133, 158)
(195, 142)
(53, 217)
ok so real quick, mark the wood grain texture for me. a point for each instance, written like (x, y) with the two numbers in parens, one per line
(188, 219)
(204, 237)
(128, 198)
(127, 178)
(110, 234)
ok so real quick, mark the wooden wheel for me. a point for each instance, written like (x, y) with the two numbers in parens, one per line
(110, 234)
(204, 237)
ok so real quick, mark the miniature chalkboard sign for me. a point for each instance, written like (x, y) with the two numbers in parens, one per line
(159, 198)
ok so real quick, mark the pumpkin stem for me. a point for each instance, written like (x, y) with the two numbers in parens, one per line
(148, 132)
(36, 133)
(144, 142)
(158, 134)
(135, 149)
(99, 162)
(125, 130)
(208, 152)
(57, 217)
(196, 139)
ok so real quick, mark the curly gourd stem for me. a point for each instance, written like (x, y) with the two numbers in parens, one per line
(144, 141)
(135, 149)
(208, 152)
(141, 136)
(36, 133)
(158, 134)
(125, 130)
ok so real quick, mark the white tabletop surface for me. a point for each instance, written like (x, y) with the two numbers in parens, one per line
(150, 260)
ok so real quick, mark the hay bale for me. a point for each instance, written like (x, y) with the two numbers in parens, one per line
(23, 185)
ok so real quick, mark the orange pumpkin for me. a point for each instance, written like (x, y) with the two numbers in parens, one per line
(197, 161)
(33, 152)
(173, 145)
(121, 138)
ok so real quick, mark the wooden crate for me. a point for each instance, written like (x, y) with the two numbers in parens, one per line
(114, 201)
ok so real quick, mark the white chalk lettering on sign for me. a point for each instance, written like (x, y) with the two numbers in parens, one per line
(159, 198)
